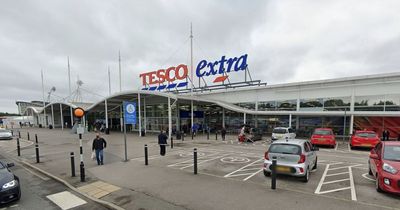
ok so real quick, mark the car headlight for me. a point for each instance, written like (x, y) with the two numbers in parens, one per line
(388, 168)
(9, 184)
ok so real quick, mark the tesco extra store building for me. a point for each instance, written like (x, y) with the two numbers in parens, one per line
(177, 97)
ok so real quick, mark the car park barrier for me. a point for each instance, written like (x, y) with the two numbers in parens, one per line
(72, 157)
(37, 149)
(273, 174)
(172, 142)
(18, 148)
(195, 160)
(146, 155)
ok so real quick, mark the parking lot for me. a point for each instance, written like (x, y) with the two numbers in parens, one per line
(341, 174)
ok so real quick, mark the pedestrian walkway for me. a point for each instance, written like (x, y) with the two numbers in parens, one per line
(98, 189)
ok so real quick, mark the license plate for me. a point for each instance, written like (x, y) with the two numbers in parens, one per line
(283, 169)
(321, 139)
(365, 145)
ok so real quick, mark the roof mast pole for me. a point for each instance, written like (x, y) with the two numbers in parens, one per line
(44, 102)
(70, 94)
(191, 75)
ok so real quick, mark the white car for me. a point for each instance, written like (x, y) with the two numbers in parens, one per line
(5, 134)
(283, 133)
(295, 157)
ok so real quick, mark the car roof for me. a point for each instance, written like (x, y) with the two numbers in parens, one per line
(365, 131)
(324, 129)
(290, 141)
(391, 143)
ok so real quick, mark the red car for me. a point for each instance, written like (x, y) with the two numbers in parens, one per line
(323, 136)
(364, 139)
(384, 165)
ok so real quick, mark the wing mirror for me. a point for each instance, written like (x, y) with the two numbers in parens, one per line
(373, 156)
(9, 165)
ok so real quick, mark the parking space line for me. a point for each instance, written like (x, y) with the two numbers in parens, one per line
(365, 176)
(334, 190)
(353, 190)
(336, 146)
(335, 163)
(321, 181)
(245, 174)
(249, 169)
(335, 181)
(331, 169)
(252, 175)
(337, 174)
(207, 160)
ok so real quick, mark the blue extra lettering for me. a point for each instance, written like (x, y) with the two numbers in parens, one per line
(199, 67)
(243, 65)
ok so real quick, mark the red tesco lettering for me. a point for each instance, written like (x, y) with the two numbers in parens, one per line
(160, 76)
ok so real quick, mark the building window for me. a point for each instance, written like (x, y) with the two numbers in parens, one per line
(247, 105)
(287, 105)
(369, 103)
(267, 106)
(311, 104)
(392, 103)
(337, 104)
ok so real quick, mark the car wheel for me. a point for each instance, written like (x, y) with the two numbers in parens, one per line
(306, 176)
(351, 147)
(378, 185)
(266, 173)
(315, 165)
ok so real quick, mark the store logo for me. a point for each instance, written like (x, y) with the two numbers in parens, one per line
(169, 75)
(205, 68)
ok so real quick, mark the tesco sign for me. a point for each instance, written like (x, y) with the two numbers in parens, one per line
(203, 69)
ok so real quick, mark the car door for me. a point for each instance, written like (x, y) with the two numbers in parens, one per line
(307, 152)
(374, 163)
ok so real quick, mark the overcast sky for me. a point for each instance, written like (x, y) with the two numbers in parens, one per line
(287, 41)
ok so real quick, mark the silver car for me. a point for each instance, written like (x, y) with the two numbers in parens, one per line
(294, 157)
(5, 134)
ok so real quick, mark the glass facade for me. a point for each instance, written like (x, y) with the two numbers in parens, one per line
(285, 105)
(369, 103)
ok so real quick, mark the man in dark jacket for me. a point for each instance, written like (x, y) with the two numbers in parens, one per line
(98, 145)
(162, 141)
(386, 135)
(223, 133)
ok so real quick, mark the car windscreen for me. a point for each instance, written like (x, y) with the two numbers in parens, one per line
(391, 153)
(322, 132)
(4, 131)
(285, 149)
(279, 130)
(366, 135)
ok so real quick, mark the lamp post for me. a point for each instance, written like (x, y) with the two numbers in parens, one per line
(79, 113)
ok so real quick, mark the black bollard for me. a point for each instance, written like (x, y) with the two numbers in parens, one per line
(146, 155)
(12, 133)
(172, 142)
(72, 164)
(192, 135)
(19, 134)
(37, 149)
(18, 148)
(208, 135)
(28, 136)
(195, 160)
(273, 174)
(216, 135)
(82, 170)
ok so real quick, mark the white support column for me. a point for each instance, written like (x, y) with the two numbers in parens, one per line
(169, 119)
(297, 122)
(144, 115)
(121, 121)
(223, 117)
(140, 116)
(290, 120)
(52, 115)
(244, 118)
(62, 117)
(178, 123)
(351, 124)
(106, 112)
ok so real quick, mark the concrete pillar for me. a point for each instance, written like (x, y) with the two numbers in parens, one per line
(52, 115)
(297, 122)
(140, 116)
(290, 120)
(62, 117)
(351, 124)
(223, 117)
(178, 123)
(169, 119)
(106, 112)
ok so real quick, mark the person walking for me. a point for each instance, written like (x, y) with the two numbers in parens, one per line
(223, 133)
(98, 146)
(162, 141)
(385, 135)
